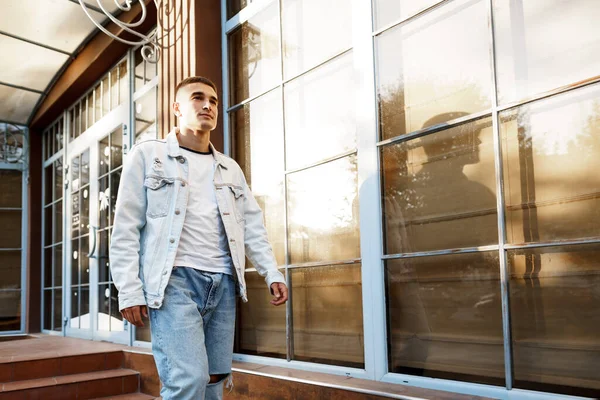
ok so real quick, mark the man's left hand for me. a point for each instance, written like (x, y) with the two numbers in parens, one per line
(280, 293)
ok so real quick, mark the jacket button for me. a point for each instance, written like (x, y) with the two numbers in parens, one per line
(156, 303)
(181, 160)
(177, 212)
(166, 272)
(182, 184)
(172, 240)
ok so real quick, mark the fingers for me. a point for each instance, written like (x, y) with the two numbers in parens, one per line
(134, 315)
(145, 311)
(280, 292)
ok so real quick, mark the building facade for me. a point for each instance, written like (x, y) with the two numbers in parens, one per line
(427, 171)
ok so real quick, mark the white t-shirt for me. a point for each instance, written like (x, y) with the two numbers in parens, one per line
(203, 243)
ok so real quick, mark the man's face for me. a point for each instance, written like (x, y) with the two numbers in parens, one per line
(196, 106)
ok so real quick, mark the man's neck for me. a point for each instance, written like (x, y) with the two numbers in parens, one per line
(195, 140)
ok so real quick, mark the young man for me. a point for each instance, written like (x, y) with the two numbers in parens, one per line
(185, 221)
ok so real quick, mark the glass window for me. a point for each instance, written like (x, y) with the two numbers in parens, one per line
(10, 234)
(544, 44)
(320, 114)
(145, 116)
(328, 318)
(258, 147)
(260, 327)
(554, 302)
(305, 24)
(10, 268)
(254, 60)
(390, 11)
(11, 192)
(439, 190)
(453, 74)
(235, 6)
(551, 152)
(323, 213)
(445, 317)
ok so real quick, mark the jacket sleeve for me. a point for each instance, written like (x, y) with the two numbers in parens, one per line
(256, 243)
(130, 218)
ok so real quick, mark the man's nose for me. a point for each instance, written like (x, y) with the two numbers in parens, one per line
(206, 106)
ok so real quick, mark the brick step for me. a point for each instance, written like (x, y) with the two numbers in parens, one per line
(89, 385)
(20, 370)
(130, 396)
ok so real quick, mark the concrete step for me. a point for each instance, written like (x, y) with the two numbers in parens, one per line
(83, 386)
(19, 369)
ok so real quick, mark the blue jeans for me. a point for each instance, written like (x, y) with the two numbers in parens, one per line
(192, 334)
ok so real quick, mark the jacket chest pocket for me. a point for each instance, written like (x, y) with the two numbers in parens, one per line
(158, 193)
(237, 197)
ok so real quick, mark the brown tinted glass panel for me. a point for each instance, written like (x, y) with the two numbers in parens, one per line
(439, 190)
(48, 184)
(258, 144)
(97, 103)
(10, 310)
(123, 83)
(74, 321)
(10, 269)
(390, 11)
(445, 317)
(320, 114)
(75, 259)
(551, 153)
(58, 221)
(418, 88)
(255, 65)
(114, 88)
(554, 302)
(328, 318)
(105, 96)
(103, 261)
(48, 266)
(11, 188)
(47, 309)
(308, 37)
(541, 45)
(235, 6)
(323, 213)
(57, 255)
(58, 179)
(116, 148)
(104, 201)
(57, 293)
(84, 260)
(260, 328)
(48, 225)
(139, 70)
(10, 234)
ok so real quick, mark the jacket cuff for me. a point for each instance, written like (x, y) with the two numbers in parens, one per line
(127, 300)
(274, 277)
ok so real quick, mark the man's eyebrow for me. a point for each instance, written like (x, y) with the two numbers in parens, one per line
(203, 94)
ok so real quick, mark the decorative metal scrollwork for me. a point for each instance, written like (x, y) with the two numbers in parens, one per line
(13, 144)
(150, 43)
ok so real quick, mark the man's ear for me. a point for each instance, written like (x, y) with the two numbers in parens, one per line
(175, 108)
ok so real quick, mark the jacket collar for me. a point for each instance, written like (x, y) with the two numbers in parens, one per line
(174, 151)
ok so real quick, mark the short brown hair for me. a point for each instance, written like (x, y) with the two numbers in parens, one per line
(195, 79)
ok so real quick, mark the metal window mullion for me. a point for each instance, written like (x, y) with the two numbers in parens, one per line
(368, 171)
(405, 19)
(433, 253)
(500, 203)
(24, 232)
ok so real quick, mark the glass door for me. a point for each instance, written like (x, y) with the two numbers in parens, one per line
(94, 169)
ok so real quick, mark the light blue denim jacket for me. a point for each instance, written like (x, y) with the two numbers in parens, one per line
(150, 212)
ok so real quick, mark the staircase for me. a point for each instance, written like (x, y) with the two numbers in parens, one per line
(78, 377)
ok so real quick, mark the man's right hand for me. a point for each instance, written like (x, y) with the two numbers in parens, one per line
(134, 315)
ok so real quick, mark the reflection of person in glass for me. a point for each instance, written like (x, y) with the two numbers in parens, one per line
(185, 222)
(431, 204)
